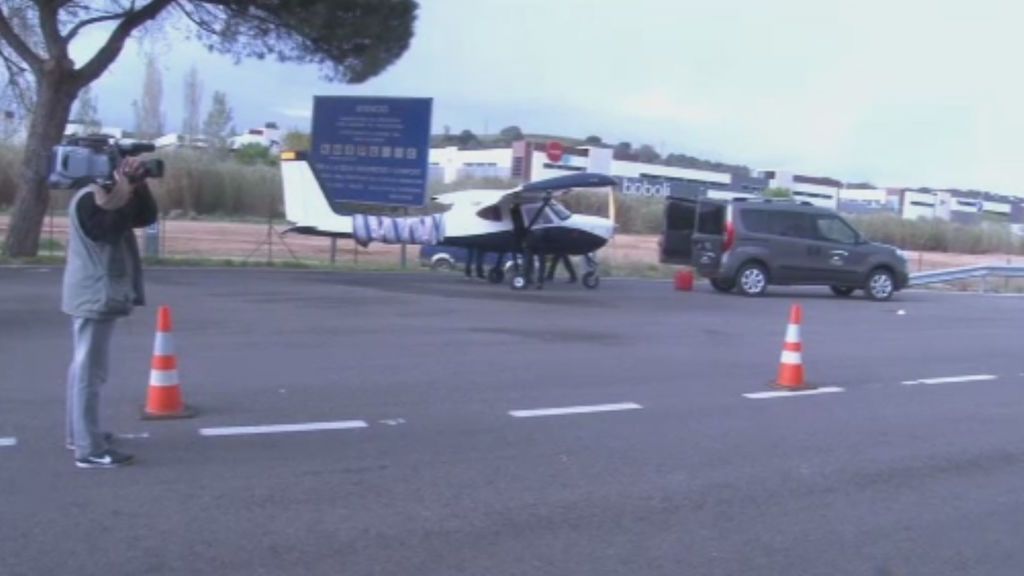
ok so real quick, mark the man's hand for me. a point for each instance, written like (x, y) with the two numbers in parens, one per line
(129, 174)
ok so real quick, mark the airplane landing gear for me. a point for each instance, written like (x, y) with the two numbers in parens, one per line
(519, 282)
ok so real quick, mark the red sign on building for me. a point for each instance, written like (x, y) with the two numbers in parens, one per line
(555, 151)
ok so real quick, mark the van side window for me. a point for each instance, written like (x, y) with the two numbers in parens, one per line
(834, 229)
(778, 223)
(758, 221)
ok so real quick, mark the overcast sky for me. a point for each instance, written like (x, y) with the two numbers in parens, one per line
(896, 92)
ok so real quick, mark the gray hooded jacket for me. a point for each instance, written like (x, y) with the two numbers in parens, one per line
(103, 273)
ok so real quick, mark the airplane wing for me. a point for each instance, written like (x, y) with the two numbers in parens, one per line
(531, 192)
(541, 189)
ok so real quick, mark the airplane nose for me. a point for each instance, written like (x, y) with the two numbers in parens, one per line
(596, 225)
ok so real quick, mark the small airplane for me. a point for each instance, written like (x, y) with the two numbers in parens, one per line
(525, 221)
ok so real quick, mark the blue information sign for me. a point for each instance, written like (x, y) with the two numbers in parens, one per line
(371, 150)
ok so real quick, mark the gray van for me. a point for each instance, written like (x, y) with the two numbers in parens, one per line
(746, 245)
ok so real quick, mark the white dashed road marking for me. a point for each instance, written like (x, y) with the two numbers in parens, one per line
(574, 410)
(787, 393)
(8, 441)
(282, 428)
(951, 379)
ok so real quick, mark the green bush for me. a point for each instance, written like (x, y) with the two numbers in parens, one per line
(206, 185)
(938, 235)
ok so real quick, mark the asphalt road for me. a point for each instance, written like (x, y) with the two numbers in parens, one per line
(880, 478)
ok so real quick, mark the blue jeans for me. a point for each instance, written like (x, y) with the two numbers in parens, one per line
(87, 373)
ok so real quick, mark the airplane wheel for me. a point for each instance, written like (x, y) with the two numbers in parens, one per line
(496, 276)
(519, 283)
(591, 280)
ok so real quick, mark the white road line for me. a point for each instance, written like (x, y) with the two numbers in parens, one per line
(952, 379)
(574, 410)
(8, 441)
(787, 393)
(281, 428)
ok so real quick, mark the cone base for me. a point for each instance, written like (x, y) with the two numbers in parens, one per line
(797, 388)
(184, 412)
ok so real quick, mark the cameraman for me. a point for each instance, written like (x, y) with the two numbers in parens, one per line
(102, 282)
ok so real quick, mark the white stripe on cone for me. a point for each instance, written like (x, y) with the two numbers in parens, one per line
(164, 345)
(789, 357)
(792, 333)
(163, 378)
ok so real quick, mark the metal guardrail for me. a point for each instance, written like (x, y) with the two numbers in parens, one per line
(965, 273)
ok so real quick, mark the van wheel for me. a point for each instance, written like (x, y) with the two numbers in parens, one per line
(880, 285)
(842, 291)
(519, 282)
(752, 280)
(441, 264)
(723, 285)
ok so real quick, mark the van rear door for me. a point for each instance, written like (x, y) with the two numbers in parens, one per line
(676, 242)
(711, 236)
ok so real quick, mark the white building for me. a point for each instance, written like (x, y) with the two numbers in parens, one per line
(818, 191)
(176, 140)
(269, 137)
(531, 162)
(451, 164)
(941, 204)
(74, 129)
(956, 208)
(872, 196)
(997, 208)
(918, 204)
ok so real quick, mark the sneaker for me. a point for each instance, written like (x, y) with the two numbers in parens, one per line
(108, 459)
(108, 437)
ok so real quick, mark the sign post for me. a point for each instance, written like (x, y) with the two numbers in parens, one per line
(371, 150)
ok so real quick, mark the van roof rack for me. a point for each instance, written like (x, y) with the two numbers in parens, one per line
(774, 201)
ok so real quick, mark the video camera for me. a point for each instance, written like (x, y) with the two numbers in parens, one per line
(84, 160)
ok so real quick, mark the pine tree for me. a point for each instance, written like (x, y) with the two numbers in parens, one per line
(190, 124)
(218, 120)
(87, 113)
(149, 115)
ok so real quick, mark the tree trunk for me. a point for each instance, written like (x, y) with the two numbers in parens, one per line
(55, 94)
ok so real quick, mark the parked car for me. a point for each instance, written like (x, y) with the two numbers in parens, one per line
(748, 245)
(443, 257)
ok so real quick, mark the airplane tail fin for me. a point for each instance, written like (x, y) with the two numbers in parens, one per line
(305, 204)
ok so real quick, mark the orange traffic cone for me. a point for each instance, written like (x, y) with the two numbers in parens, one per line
(163, 400)
(791, 365)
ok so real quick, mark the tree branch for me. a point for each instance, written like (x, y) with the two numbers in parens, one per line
(111, 49)
(47, 12)
(94, 20)
(203, 26)
(7, 33)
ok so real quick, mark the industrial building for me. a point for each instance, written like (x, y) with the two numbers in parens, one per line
(530, 161)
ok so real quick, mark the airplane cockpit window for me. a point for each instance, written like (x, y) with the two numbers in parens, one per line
(560, 211)
(530, 210)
